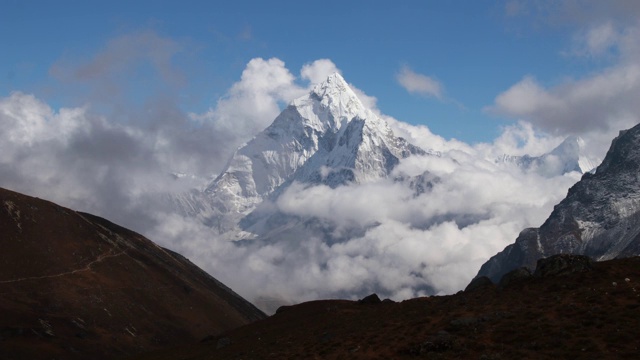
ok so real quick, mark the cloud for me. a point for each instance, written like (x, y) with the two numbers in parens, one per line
(598, 29)
(318, 70)
(116, 160)
(382, 237)
(598, 40)
(421, 136)
(597, 105)
(522, 139)
(115, 156)
(419, 84)
(595, 108)
(600, 102)
(124, 66)
(253, 102)
(246, 34)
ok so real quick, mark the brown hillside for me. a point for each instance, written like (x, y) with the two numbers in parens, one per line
(76, 286)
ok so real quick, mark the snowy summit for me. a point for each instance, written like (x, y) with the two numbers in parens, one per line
(327, 136)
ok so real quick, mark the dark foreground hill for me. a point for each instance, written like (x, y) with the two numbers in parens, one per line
(586, 311)
(76, 286)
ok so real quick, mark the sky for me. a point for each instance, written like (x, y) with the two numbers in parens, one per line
(460, 54)
(101, 101)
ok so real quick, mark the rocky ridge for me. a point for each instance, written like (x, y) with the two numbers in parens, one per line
(598, 218)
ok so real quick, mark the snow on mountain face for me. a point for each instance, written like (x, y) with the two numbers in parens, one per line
(327, 136)
(600, 217)
(567, 157)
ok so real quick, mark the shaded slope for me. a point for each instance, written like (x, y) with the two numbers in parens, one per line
(73, 285)
(567, 315)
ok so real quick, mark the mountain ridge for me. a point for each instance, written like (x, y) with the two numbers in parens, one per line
(600, 216)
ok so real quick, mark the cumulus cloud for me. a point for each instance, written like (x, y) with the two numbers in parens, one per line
(422, 136)
(419, 84)
(603, 102)
(318, 70)
(254, 101)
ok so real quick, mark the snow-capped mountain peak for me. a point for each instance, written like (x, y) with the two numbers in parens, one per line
(571, 152)
(330, 105)
(327, 136)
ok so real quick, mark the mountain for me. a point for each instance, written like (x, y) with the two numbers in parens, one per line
(587, 314)
(600, 217)
(325, 137)
(567, 157)
(76, 286)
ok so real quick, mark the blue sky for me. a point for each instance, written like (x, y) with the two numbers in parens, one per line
(474, 50)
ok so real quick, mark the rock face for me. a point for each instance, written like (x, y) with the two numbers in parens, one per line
(478, 283)
(563, 264)
(326, 137)
(599, 218)
(76, 286)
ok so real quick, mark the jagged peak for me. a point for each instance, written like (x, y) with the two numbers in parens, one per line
(334, 84)
(335, 90)
(623, 151)
(336, 97)
(572, 143)
(573, 148)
